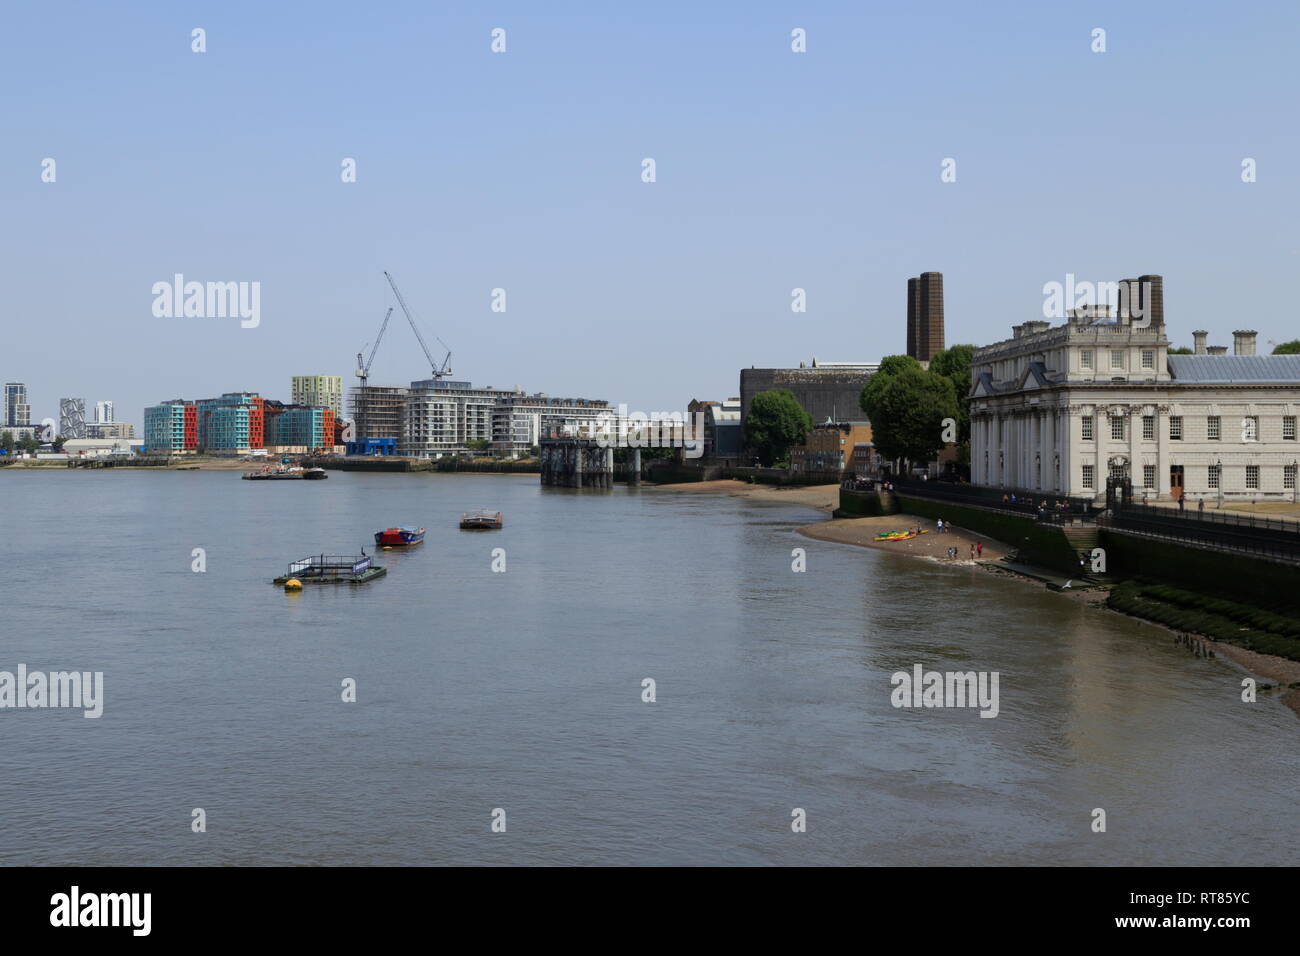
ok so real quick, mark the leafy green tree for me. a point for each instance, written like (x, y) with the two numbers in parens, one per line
(7, 441)
(954, 364)
(478, 444)
(1181, 350)
(1288, 348)
(776, 422)
(907, 410)
(890, 366)
(28, 443)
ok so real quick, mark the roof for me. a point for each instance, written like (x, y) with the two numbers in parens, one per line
(1235, 368)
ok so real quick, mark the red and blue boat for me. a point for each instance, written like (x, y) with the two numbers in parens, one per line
(399, 537)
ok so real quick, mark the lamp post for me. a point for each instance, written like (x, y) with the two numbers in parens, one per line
(1219, 466)
(1295, 480)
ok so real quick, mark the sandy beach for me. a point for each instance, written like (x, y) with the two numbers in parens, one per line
(823, 497)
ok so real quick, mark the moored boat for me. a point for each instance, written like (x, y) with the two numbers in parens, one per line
(399, 537)
(481, 521)
(315, 474)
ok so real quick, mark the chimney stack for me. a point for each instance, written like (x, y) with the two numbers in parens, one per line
(1217, 350)
(1153, 299)
(1243, 342)
(1198, 338)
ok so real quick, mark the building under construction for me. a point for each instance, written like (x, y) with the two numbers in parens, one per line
(379, 411)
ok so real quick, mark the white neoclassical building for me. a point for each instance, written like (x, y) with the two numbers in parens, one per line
(1059, 409)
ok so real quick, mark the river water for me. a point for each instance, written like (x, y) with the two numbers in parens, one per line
(522, 691)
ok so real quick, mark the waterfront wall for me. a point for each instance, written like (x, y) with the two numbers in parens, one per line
(1041, 544)
(1258, 581)
(670, 473)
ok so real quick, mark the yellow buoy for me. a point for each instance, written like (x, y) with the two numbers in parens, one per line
(293, 584)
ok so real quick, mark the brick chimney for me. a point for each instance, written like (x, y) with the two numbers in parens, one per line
(1243, 342)
(1198, 340)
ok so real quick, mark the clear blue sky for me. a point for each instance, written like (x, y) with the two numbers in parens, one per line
(522, 171)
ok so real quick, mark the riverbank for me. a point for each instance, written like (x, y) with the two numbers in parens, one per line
(932, 545)
(822, 497)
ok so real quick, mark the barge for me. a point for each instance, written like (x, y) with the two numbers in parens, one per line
(481, 521)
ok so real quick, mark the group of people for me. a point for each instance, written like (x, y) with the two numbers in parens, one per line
(976, 548)
(976, 551)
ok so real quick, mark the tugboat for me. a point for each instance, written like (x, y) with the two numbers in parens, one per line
(481, 521)
(399, 537)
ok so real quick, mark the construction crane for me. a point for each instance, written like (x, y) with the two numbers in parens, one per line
(360, 400)
(363, 367)
(439, 371)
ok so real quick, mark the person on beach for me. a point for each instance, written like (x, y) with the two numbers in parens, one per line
(940, 523)
(979, 548)
(972, 552)
(1200, 505)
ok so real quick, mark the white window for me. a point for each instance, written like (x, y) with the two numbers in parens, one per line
(1252, 477)
(1087, 476)
(1148, 476)
(1250, 428)
(1117, 428)
(1085, 359)
(1148, 358)
(1213, 426)
(1288, 476)
(1214, 476)
(1288, 427)
(1087, 427)
(1175, 427)
(1116, 359)
(1148, 428)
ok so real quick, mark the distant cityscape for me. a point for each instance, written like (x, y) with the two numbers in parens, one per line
(1058, 409)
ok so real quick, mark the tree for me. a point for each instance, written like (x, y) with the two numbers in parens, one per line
(478, 444)
(1288, 348)
(28, 443)
(776, 421)
(1181, 350)
(7, 441)
(907, 410)
(954, 364)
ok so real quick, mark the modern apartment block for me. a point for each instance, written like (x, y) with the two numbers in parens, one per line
(106, 430)
(1060, 409)
(925, 316)
(171, 427)
(72, 417)
(520, 422)
(323, 391)
(236, 423)
(103, 412)
(299, 427)
(17, 411)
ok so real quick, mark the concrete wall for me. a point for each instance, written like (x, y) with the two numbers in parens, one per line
(1257, 581)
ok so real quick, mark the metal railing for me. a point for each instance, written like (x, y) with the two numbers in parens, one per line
(1268, 537)
(1041, 505)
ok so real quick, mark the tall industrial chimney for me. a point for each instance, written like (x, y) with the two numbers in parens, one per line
(1153, 299)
